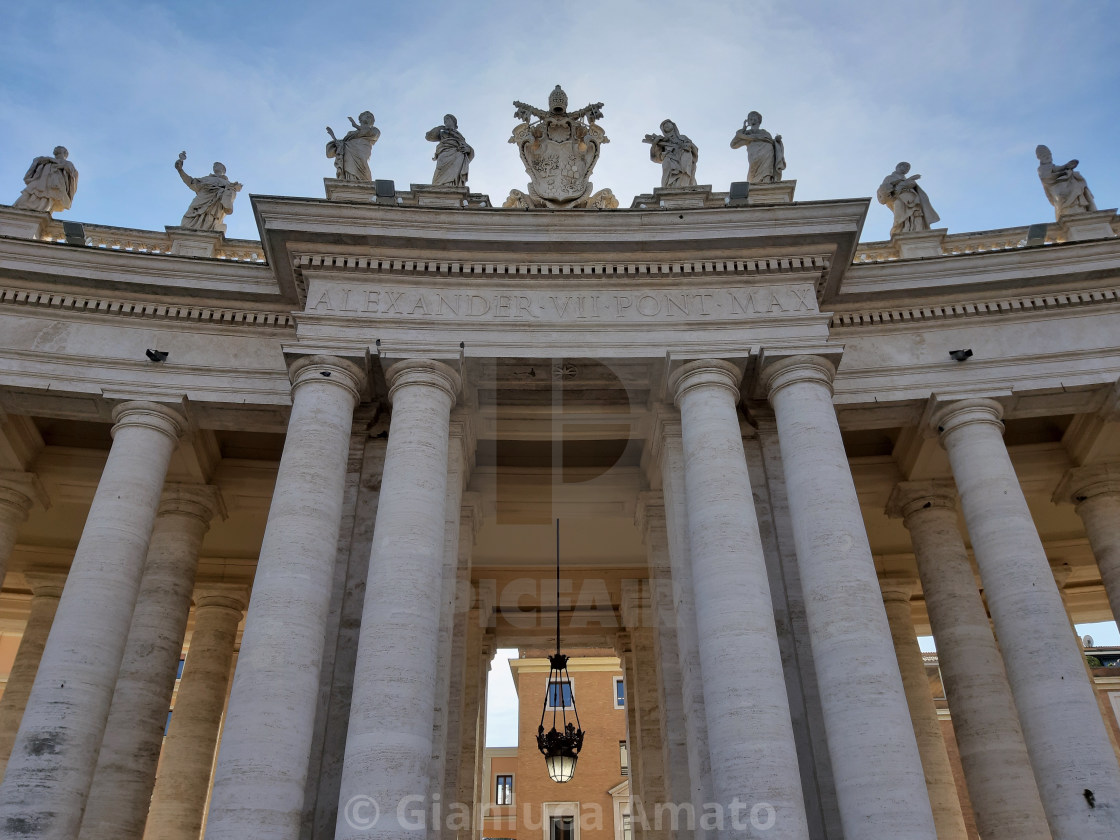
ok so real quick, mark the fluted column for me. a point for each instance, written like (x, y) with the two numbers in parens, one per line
(1095, 492)
(945, 803)
(188, 750)
(389, 740)
(126, 764)
(997, 769)
(46, 589)
(17, 493)
(52, 763)
(1069, 748)
(753, 754)
(266, 742)
(870, 738)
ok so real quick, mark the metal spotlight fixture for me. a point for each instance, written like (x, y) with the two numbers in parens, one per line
(959, 355)
(560, 747)
(157, 355)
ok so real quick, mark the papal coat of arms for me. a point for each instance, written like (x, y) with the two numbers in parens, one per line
(559, 150)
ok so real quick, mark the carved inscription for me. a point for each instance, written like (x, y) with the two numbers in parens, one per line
(605, 305)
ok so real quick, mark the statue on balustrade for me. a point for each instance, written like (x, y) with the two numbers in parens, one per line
(51, 183)
(766, 154)
(213, 199)
(453, 154)
(909, 202)
(1064, 185)
(676, 154)
(351, 153)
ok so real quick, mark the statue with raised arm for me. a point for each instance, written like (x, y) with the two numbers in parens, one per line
(453, 154)
(676, 154)
(909, 202)
(351, 153)
(1064, 185)
(51, 183)
(213, 198)
(766, 154)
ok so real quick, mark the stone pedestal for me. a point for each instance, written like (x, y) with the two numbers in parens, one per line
(361, 191)
(675, 198)
(432, 195)
(780, 192)
(23, 224)
(53, 759)
(195, 243)
(1078, 227)
(919, 243)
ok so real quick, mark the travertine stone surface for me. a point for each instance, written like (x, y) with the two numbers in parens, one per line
(997, 770)
(754, 756)
(17, 494)
(944, 802)
(126, 764)
(188, 750)
(1069, 748)
(46, 589)
(52, 763)
(266, 741)
(1095, 492)
(389, 741)
(870, 738)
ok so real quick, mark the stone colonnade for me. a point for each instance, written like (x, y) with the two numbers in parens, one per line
(90, 696)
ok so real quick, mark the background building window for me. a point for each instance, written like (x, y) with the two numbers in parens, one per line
(619, 693)
(561, 828)
(627, 833)
(503, 790)
(559, 695)
(624, 757)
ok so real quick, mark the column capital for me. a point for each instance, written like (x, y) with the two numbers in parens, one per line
(793, 369)
(898, 588)
(232, 596)
(423, 372)
(49, 584)
(717, 372)
(649, 513)
(965, 412)
(334, 369)
(19, 491)
(151, 415)
(910, 497)
(1082, 483)
(203, 501)
(665, 424)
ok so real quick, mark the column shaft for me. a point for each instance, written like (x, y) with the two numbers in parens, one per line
(188, 751)
(266, 741)
(945, 803)
(1069, 748)
(997, 769)
(126, 763)
(52, 763)
(16, 495)
(754, 756)
(870, 738)
(1095, 490)
(46, 589)
(389, 741)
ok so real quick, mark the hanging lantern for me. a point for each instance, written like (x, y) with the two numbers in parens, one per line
(560, 746)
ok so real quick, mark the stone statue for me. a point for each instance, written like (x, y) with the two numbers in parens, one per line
(1064, 185)
(453, 154)
(909, 202)
(351, 153)
(766, 154)
(676, 154)
(213, 200)
(51, 183)
(559, 151)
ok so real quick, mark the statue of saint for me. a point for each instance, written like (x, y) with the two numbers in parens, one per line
(51, 183)
(1064, 185)
(453, 154)
(765, 153)
(213, 199)
(909, 202)
(676, 154)
(351, 153)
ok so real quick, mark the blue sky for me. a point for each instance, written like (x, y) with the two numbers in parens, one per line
(962, 90)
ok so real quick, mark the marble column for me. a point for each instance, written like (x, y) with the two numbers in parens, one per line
(188, 750)
(17, 493)
(624, 648)
(55, 753)
(1069, 748)
(651, 757)
(753, 753)
(474, 677)
(867, 720)
(997, 769)
(126, 764)
(46, 589)
(945, 803)
(266, 742)
(389, 740)
(1095, 492)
